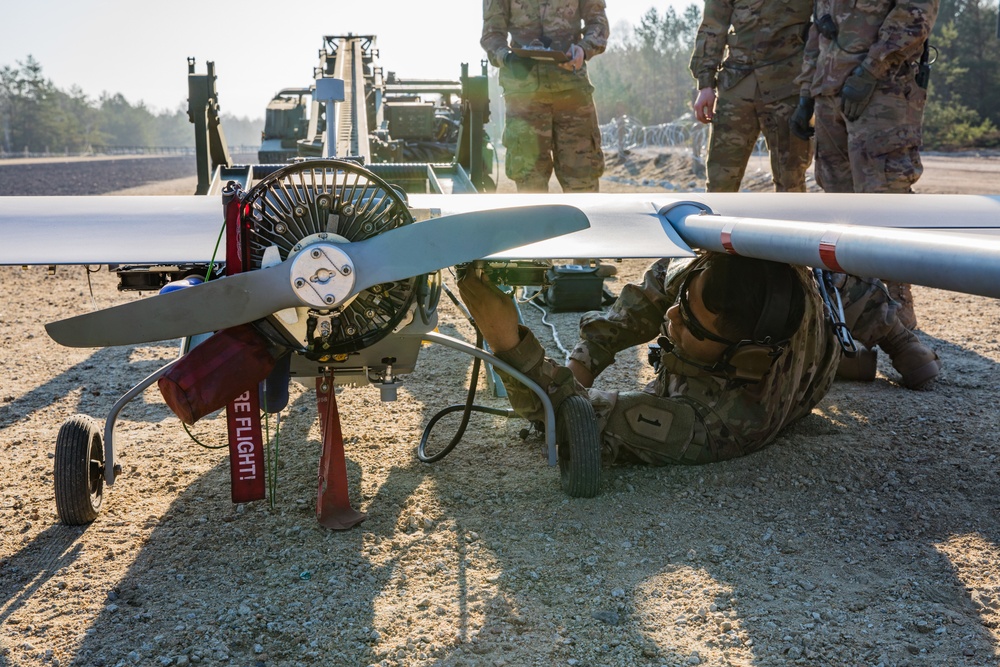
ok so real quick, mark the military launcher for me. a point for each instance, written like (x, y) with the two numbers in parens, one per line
(383, 119)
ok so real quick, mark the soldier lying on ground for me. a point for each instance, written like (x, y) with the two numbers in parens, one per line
(747, 349)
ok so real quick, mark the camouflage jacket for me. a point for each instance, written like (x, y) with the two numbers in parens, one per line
(737, 37)
(564, 22)
(886, 36)
(738, 418)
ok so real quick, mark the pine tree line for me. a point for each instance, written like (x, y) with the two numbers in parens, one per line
(38, 117)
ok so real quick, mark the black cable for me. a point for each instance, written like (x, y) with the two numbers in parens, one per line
(468, 407)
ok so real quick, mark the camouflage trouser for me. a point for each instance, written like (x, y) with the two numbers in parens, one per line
(626, 436)
(740, 117)
(879, 152)
(869, 312)
(546, 131)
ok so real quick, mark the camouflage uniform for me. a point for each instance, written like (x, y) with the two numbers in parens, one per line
(878, 152)
(756, 87)
(551, 121)
(688, 415)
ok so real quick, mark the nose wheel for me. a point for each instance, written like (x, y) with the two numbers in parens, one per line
(79, 471)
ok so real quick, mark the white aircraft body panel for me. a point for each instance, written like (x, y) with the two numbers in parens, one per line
(173, 229)
(974, 213)
(958, 262)
(109, 230)
(620, 225)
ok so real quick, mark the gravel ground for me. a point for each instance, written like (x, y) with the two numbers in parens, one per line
(868, 534)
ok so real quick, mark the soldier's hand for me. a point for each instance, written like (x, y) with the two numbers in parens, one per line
(704, 105)
(857, 93)
(519, 67)
(576, 56)
(800, 119)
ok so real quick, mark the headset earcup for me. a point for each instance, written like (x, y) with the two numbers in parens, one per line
(751, 362)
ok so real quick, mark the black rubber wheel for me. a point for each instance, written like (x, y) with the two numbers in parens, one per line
(79, 471)
(579, 446)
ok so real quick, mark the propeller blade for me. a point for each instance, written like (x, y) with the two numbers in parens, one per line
(215, 305)
(427, 246)
(397, 254)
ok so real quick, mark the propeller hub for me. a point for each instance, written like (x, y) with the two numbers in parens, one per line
(322, 276)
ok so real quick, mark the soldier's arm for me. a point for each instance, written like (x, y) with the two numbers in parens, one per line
(635, 318)
(710, 43)
(495, 23)
(595, 28)
(901, 36)
(809, 56)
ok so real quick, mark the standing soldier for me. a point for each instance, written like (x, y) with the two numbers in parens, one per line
(751, 51)
(551, 121)
(865, 74)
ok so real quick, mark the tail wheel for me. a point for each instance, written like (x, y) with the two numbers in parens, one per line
(579, 446)
(79, 471)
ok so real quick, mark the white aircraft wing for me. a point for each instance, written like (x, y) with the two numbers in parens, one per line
(109, 230)
(621, 225)
(172, 229)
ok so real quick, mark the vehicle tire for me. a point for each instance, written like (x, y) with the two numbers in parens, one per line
(579, 446)
(79, 471)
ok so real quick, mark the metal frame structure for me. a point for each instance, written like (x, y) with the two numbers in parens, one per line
(349, 116)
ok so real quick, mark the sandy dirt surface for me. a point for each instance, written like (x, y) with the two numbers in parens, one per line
(960, 174)
(868, 534)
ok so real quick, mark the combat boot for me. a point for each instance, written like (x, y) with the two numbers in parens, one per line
(861, 367)
(903, 295)
(917, 364)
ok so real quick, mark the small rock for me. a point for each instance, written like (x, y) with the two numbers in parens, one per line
(609, 617)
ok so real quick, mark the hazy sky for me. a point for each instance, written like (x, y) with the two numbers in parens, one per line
(140, 49)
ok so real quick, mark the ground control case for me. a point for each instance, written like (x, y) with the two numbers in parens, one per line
(574, 288)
